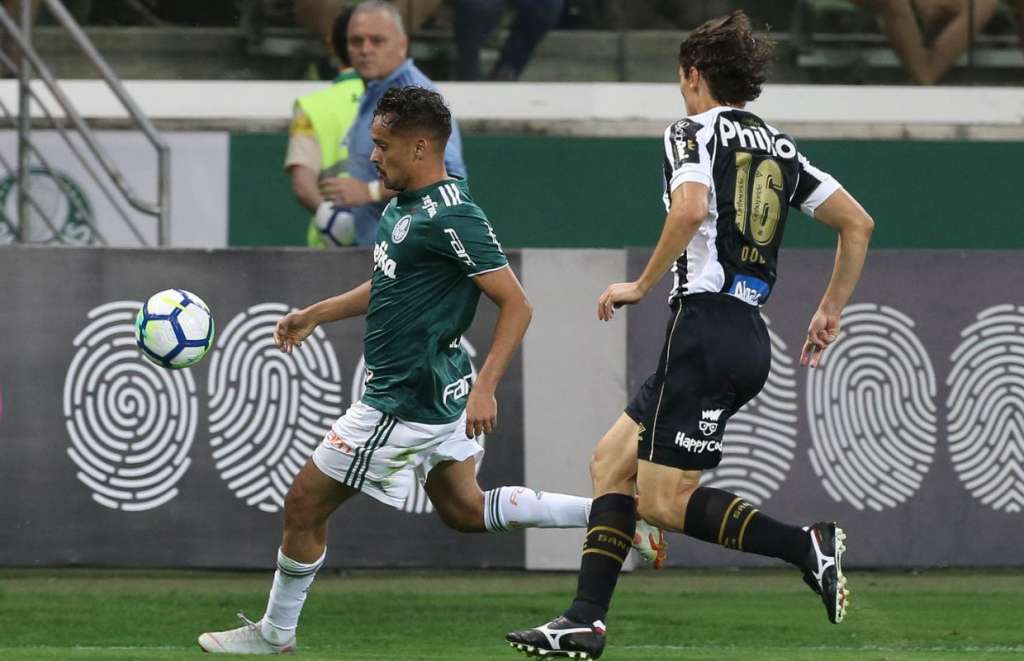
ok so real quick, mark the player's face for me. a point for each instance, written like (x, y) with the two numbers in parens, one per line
(394, 155)
(376, 47)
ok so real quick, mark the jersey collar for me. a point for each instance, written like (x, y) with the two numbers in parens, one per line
(405, 197)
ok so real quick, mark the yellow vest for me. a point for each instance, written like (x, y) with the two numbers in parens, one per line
(332, 111)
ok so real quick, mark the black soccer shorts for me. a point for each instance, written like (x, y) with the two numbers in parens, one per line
(715, 359)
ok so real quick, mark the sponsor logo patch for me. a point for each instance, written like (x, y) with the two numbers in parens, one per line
(381, 261)
(749, 289)
(457, 389)
(697, 446)
(709, 421)
(338, 442)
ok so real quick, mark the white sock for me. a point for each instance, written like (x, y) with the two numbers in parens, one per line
(291, 582)
(522, 507)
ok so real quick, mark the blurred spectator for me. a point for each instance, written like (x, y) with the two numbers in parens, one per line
(315, 150)
(378, 48)
(475, 20)
(1018, 6)
(906, 22)
(416, 13)
(317, 15)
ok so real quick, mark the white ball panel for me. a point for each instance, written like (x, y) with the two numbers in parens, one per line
(194, 322)
(159, 337)
(188, 356)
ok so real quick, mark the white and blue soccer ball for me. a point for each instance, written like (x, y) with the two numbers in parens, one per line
(174, 328)
(337, 225)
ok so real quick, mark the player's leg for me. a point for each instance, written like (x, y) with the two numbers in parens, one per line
(353, 457)
(610, 531)
(310, 501)
(735, 359)
(459, 501)
(452, 487)
(673, 500)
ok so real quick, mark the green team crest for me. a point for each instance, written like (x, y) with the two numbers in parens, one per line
(60, 198)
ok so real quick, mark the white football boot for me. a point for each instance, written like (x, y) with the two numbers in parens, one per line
(246, 639)
(649, 542)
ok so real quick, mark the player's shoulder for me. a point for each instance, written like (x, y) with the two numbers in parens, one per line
(452, 201)
(778, 134)
(684, 128)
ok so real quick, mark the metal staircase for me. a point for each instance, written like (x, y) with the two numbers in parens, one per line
(31, 220)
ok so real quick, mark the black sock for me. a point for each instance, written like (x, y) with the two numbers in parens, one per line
(609, 538)
(723, 518)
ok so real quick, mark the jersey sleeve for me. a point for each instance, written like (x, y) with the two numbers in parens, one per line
(303, 148)
(469, 241)
(813, 187)
(686, 158)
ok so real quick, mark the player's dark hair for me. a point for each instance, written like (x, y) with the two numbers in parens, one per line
(412, 108)
(730, 56)
(339, 37)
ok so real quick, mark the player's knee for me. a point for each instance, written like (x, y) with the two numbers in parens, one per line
(300, 512)
(602, 465)
(608, 472)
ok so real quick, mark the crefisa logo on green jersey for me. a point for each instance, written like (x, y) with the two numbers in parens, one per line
(55, 197)
(382, 262)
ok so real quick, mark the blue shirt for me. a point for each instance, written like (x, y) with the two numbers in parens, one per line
(360, 145)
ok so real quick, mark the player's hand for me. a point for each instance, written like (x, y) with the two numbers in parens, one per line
(481, 412)
(292, 329)
(823, 331)
(345, 191)
(617, 295)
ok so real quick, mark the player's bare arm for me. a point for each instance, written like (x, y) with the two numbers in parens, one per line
(296, 326)
(515, 312)
(689, 208)
(844, 214)
(304, 186)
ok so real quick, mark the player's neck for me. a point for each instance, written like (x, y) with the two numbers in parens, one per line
(706, 103)
(429, 177)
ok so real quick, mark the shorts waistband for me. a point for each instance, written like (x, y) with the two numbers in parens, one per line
(713, 298)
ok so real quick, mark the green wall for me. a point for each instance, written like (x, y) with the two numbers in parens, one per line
(606, 192)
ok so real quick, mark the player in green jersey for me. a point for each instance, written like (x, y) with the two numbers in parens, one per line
(435, 252)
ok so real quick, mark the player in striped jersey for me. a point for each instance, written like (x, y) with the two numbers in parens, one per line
(729, 181)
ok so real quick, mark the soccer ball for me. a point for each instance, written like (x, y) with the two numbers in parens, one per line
(174, 328)
(337, 225)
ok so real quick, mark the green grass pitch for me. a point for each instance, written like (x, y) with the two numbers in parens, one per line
(367, 615)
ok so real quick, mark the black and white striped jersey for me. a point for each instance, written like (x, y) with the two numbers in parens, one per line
(754, 174)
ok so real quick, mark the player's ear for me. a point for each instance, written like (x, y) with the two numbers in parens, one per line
(421, 148)
(693, 77)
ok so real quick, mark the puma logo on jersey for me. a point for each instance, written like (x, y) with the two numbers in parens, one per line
(450, 194)
(381, 261)
(755, 137)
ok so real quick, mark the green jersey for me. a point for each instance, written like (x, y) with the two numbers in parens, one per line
(430, 244)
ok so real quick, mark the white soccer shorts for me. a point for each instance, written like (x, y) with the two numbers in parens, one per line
(383, 456)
